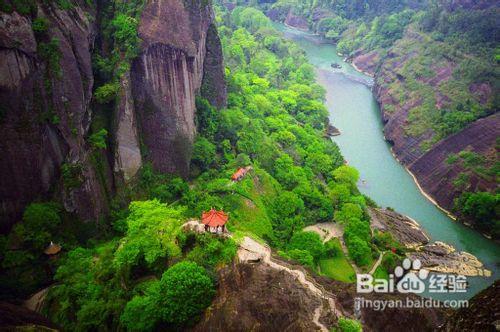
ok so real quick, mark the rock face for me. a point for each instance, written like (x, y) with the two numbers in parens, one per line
(435, 175)
(443, 258)
(46, 103)
(483, 313)
(406, 111)
(167, 75)
(366, 62)
(436, 256)
(404, 229)
(256, 297)
(46, 113)
(17, 318)
(128, 157)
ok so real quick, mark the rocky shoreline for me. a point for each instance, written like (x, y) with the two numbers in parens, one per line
(436, 256)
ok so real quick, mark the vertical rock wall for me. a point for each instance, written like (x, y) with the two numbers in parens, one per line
(168, 74)
(45, 117)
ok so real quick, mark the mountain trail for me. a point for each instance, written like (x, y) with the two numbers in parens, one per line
(251, 251)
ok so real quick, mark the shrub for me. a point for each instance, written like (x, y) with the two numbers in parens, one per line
(303, 257)
(51, 54)
(98, 139)
(107, 92)
(308, 241)
(359, 250)
(72, 175)
(349, 325)
(40, 25)
(203, 153)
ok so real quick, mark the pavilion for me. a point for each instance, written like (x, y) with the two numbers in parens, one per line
(52, 249)
(214, 221)
(240, 173)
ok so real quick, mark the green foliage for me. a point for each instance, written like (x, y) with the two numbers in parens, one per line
(23, 7)
(51, 54)
(347, 212)
(308, 241)
(72, 175)
(107, 92)
(349, 325)
(98, 139)
(359, 250)
(251, 18)
(203, 153)
(187, 290)
(303, 257)
(212, 251)
(482, 209)
(40, 25)
(152, 230)
(335, 265)
(207, 118)
(40, 223)
(125, 34)
(182, 294)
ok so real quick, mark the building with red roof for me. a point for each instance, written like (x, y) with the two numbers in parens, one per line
(214, 219)
(240, 173)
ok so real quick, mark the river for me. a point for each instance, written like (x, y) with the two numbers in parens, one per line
(355, 112)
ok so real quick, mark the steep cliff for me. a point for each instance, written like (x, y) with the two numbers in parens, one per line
(46, 97)
(436, 174)
(46, 86)
(482, 314)
(167, 75)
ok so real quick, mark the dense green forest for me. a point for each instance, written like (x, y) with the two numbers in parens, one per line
(141, 271)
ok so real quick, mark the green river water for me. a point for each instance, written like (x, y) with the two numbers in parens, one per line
(355, 112)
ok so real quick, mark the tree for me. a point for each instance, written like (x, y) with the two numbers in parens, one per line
(359, 250)
(152, 229)
(207, 118)
(359, 228)
(203, 153)
(141, 313)
(40, 223)
(346, 174)
(309, 241)
(347, 212)
(185, 290)
(304, 257)
(287, 204)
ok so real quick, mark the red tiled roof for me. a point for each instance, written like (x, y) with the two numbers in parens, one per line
(214, 218)
(239, 173)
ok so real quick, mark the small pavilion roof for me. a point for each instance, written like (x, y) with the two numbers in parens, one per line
(52, 249)
(214, 218)
(240, 172)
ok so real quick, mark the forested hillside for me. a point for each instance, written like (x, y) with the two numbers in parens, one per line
(437, 76)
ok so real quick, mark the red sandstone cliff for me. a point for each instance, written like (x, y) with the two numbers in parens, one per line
(45, 116)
